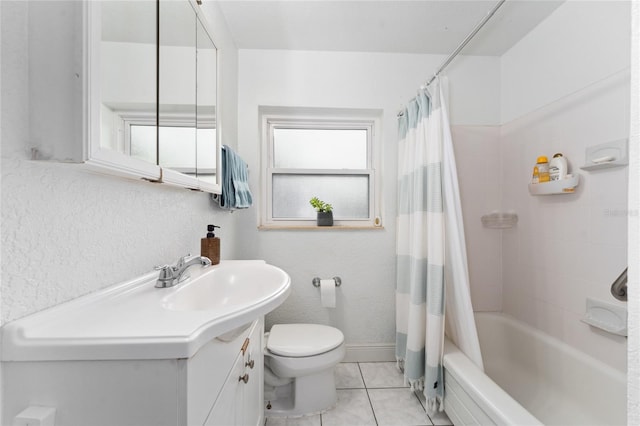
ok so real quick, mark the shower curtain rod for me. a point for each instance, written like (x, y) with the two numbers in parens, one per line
(460, 46)
(465, 41)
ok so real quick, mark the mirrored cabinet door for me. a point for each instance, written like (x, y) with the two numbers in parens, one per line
(206, 135)
(177, 92)
(123, 83)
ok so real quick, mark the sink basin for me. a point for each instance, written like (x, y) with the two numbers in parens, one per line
(228, 287)
(135, 320)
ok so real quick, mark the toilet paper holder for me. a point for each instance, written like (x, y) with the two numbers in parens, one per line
(316, 281)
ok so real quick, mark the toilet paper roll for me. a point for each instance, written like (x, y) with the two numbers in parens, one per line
(328, 293)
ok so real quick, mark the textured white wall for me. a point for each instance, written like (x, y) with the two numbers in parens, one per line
(365, 259)
(67, 232)
(566, 248)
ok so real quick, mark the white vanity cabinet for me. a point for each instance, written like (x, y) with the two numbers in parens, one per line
(133, 354)
(240, 400)
(207, 388)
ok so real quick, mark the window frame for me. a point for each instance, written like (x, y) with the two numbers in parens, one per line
(320, 118)
(126, 119)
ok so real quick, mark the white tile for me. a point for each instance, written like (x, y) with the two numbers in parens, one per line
(397, 407)
(608, 348)
(294, 421)
(348, 376)
(353, 408)
(441, 419)
(382, 375)
(608, 224)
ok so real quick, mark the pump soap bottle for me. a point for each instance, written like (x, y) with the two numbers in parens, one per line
(210, 246)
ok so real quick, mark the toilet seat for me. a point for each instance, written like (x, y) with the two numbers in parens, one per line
(303, 340)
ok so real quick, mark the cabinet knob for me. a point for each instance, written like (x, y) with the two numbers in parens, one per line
(251, 363)
(244, 378)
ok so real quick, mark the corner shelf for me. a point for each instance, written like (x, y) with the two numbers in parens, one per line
(564, 186)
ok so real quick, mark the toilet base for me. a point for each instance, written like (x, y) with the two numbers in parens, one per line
(305, 396)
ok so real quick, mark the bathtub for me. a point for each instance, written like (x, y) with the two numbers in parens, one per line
(531, 379)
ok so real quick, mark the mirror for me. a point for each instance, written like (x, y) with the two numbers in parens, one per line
(206, 137)
(128, 91)
(158, 89)
(177, 89)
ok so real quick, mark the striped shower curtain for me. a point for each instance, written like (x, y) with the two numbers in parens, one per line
(430, 249)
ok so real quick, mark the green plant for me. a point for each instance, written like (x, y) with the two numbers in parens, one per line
(320, 206)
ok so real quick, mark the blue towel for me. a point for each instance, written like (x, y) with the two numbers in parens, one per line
(235, 181)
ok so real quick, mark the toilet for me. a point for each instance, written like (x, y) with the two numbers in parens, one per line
(298, 369)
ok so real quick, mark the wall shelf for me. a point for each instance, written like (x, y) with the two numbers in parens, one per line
(564, 186)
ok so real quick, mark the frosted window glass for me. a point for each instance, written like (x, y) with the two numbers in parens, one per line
(177, 150)
(143, 143)
(348, 194)
(206, 142)
(175, 154)
(206, 148)
(320, 148)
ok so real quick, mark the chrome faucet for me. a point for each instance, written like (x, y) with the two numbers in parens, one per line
(172, 275)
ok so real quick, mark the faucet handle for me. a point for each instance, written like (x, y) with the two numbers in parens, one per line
(166, 271)
(166, 277)
(182, 260)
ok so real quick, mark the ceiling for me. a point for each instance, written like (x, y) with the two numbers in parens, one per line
(398, 26)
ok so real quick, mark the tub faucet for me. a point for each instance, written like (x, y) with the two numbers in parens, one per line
(172, 275)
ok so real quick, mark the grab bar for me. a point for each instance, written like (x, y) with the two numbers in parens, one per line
(619, 286)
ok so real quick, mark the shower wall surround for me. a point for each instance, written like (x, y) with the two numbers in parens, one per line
(66, 232)
(570, 247)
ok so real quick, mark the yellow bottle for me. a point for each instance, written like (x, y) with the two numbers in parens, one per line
(543, 169)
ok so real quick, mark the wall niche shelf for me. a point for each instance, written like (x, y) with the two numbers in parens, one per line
(499, 220)
(564, 186)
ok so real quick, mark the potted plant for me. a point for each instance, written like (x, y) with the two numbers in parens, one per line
(325, 211)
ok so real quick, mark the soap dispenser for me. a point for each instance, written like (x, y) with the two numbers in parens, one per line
(210, 246)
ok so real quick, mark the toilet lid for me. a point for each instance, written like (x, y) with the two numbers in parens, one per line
(298, 340)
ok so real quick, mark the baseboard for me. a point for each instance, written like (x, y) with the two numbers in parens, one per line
(372, 352)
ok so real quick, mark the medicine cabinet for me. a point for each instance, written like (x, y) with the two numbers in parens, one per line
(145, 83)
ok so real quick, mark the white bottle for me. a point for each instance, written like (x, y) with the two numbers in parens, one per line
(558, 167)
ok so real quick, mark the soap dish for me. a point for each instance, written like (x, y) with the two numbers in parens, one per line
(607, 155)
(606, 316)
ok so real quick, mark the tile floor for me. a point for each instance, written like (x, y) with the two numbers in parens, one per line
(370, 393)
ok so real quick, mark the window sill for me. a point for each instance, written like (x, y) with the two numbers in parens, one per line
(318, 228)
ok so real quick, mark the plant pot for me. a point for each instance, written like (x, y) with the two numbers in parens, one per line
(325, 218)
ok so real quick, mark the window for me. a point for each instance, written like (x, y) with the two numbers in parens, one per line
(319, 153)
(140, 141)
